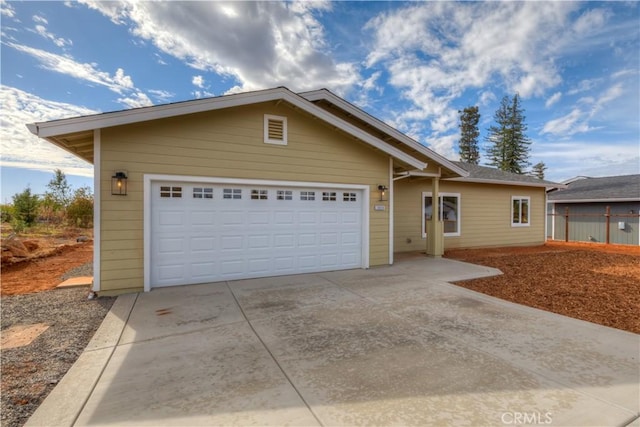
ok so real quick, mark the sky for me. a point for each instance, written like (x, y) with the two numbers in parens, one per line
(414, 65)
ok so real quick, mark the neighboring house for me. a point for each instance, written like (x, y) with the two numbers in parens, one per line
(272, 183)
(586, 201)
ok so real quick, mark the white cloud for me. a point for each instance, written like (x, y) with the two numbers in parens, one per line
(435, 51)
(40, 19)
(277, 43)
(22, 149)
(7, 9)
(163, 96)
(198, 81)
(584, 86)
(553, 99)
(119, 82)
(591, 20)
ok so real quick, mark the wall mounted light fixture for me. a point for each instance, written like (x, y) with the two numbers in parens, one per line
(119, 184)
(383, 192)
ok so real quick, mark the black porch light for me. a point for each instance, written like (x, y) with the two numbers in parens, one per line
(119, 184)
(383, 193)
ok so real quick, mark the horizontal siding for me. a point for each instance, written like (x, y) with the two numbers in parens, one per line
(226, 143)
(485, 215)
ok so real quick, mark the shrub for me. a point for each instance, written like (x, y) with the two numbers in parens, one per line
(6, 213)
(80, 210)
(25, 207)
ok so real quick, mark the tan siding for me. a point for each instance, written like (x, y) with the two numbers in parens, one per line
(485, 215)
(226, 143)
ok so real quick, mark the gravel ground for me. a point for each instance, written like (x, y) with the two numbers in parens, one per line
(29, 373)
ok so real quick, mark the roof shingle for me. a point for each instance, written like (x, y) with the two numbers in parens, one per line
(605, 188)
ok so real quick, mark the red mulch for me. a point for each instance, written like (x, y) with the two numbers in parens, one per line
(593, 282)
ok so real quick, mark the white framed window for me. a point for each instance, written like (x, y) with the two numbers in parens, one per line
(284, 195)
(329, 196)
(520, 210)
(449, 213)
(259, 195)
(232, 193)
(307, 195)
(275, 129)
(349, 197)
(202, 193)
(170, 192)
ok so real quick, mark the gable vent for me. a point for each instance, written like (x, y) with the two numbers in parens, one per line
(275, 130)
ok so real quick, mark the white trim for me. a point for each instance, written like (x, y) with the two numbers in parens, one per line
(150, 178)
(391, 213)
(326, 95)
(268, 140)
(440, 206)
(528, 223)
(624, 200)
(419, 174)
(97, 208)
(97, 121)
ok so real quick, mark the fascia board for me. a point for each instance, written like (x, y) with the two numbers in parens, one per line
(595, 200)
(500, 182)
(326, 95)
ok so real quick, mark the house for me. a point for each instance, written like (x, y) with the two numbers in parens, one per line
(272, 183)
(586, 205)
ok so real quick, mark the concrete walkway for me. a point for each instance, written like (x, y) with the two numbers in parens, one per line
(387, 346)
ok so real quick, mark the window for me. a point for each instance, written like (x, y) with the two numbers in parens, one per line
(232, 193)
(275, 130)
(449, 213)
(175, 192)
(328, 196)
(203, 193)
(349, 197)
(307, 195)
(284, 195)
(258, 194)
(520, 211)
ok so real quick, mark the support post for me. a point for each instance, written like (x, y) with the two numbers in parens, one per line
(566, 224)
(435, 231)
(607, 216)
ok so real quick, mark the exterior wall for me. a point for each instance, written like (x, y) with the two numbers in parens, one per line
(484, 215)
(225, 143)
(587, 222)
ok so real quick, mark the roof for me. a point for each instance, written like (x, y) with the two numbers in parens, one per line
(76, 134)
(330, 97)
(621, 188)
(488, 175)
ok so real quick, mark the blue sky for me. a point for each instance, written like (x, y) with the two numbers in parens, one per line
(575, 65)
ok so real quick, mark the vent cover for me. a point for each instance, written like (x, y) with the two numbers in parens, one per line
(275, 130)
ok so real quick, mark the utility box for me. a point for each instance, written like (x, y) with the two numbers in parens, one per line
(621, 225)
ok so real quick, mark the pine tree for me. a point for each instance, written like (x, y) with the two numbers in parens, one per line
(538, 170)
(468, 144)
(509, 149)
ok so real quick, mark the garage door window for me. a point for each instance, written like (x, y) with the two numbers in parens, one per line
(349, 197)
(167, 192)
(307, 195)
(285, 195)
(202, 193)
(232, 193)
(259, 195)
(328, 196)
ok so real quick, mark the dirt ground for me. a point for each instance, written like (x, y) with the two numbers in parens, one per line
(51, 257)
(593, 282)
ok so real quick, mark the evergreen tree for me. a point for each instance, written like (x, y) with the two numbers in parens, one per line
(538, 170)
(59, 194)
(509, 149)
(468, 144)
(25, 207)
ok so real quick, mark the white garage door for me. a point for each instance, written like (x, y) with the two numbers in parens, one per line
(211, 232)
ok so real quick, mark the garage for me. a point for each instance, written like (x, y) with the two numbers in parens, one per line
(213, 231)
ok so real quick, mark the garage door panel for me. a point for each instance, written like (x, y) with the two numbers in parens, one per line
(225, 234)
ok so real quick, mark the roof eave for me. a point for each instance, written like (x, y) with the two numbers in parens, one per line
(612, 200)
(54, 128)
(326, 95)
(547, 185)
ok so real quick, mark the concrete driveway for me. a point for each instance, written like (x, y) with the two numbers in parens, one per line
(387, 346)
